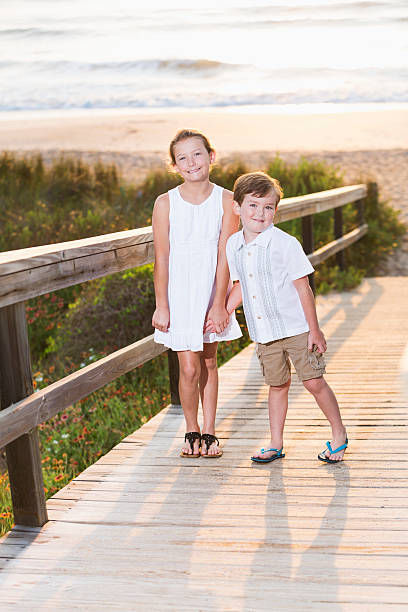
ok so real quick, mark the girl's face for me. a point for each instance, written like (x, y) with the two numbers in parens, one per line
(192, 160)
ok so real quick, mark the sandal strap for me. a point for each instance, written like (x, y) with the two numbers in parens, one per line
(191, 437)
(209, 439)
(267, 450)
(338, 449)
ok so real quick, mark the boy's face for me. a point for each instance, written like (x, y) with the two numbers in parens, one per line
(256, 213)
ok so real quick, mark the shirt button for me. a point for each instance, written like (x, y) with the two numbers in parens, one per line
(254, 296)
(249, 252)
(259, 317)
(251, 275)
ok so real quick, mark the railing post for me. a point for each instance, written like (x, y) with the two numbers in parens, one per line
(338, 233)
(23, 455)
(308, 243)
(174, 375)
(360, 212)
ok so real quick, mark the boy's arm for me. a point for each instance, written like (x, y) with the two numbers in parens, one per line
(230, 222)
(307, 300)
(160, 223)
(234, 298)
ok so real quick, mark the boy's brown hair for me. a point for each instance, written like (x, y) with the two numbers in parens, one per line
(183, 135)
(258, 184)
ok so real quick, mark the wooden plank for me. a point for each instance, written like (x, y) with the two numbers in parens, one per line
(222, 516)
(25, 284)
(404, 371)
(23, 454)
(368, 494)
(242, 476)
(34, 257)
(227, 564)
(302, 206)
(72, 537)
(287, 504)
(63, 592)
(42, 405)
(337, 245)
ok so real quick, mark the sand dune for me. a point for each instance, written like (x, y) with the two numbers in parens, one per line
(363, 145)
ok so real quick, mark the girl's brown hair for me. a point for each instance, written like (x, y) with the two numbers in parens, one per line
(258, 184)
(183, 135)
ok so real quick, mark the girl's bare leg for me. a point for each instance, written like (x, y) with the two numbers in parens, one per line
(278, 407)
(209, 391)
(326, 400)
(190, 369)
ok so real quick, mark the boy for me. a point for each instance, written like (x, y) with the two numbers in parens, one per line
(271, 269)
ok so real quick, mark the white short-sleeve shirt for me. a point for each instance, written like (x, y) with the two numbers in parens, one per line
(266, 268)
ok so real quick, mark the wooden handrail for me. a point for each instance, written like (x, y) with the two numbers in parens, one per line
(34, 257)
(28, 273)
(38, 407)
(335, 246)
(312, 203)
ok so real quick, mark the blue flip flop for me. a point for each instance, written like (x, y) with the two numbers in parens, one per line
(322, 455)
(279, 455)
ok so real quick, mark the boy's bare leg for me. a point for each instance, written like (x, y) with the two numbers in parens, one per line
(278, 407)
(189, 362)
(327, 402)
(209, 391)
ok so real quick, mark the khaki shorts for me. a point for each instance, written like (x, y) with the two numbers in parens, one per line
(274, 359)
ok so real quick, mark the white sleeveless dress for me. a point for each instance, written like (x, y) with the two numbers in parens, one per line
(193, 237)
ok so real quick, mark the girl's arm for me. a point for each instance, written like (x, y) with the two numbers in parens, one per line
(230, 222)
(307, 300)
(160, 223)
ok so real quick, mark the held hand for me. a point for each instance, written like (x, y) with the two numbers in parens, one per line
(317, 338)
(161, 319)
(209, 327)
(219, 317)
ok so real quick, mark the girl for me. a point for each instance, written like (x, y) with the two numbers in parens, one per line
(191, 225)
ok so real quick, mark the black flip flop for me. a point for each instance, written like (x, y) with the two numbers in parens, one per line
(210, 439)
(191, 437)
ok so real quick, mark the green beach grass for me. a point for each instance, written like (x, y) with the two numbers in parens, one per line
(70, 328)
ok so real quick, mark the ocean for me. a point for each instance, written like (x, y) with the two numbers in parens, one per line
(93, 54)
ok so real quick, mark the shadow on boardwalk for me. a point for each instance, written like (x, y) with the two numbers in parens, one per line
(145, 529)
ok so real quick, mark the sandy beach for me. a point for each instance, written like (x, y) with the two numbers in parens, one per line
(363, 145)
(231, 130)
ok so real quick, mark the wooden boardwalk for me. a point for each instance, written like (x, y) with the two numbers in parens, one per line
(143, 529)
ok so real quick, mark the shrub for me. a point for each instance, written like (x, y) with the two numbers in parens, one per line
(110, 313)
(66, 201)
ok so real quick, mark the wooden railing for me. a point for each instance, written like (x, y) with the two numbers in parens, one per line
(28, 273)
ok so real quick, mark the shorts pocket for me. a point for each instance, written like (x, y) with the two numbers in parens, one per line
(259, 355)
(316, 359)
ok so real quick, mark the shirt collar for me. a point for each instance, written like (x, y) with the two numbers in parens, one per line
(262, 239)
